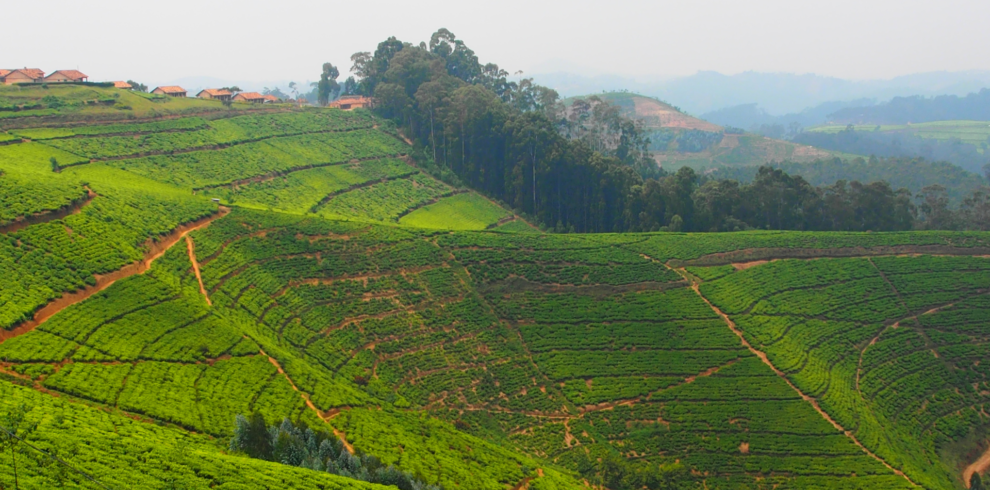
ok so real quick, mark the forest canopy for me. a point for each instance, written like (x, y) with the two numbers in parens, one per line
(515, 142)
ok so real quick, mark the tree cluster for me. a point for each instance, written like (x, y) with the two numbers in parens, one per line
(917, 109)
(937, 213)
(288, 444)
(899, 145)
(584, 168)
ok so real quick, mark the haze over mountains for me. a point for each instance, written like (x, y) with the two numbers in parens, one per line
(776, 93)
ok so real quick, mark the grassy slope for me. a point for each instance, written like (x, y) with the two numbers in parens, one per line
(489, 354)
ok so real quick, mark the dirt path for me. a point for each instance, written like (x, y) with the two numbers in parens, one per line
(191, 248)
(325, 417)
(979, 466)
(813, 402)
(72, 208)
(752, 255)
(156, 248)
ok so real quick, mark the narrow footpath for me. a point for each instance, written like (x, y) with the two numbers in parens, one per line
(813, 402)
(156, 248)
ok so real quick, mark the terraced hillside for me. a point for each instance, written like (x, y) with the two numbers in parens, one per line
(339, 287)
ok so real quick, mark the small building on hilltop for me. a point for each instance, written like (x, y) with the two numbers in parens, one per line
(215, 94)
(349, 102)
(171, 91)
(253, 97)
(271, 99)
(66, 76)
(123, 85)
(24, 75)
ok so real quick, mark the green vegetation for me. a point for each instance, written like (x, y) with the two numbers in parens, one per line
(368, 307)
(878, 342)
(970, 132)
(188, 123)
(466, 211)
(123, 453)
(302, 191)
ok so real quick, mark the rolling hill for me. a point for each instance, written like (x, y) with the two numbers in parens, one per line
(673, 134)
(164, 274)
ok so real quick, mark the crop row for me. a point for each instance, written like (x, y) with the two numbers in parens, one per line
(125, 453)
(385, 201)
(219, 132)
(20, 197)
(205, 168)
(187, 123)
(301, 191)
(465, 211)
(869, 376)
(46, 260)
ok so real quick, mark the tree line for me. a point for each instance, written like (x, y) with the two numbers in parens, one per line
(515, 142)
(917, 109)
(899, 145)
(303, 447)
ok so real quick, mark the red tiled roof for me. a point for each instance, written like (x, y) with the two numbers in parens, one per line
(70, 74)
(271, 98)
(170, 89)
(213, 92)
(3, 72)
(33, 73)
(250, 95)
(122, 85)
(352, 100)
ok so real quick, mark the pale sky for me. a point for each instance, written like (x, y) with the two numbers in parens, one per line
(159, 41)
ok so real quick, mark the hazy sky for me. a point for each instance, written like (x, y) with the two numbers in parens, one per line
(252, 40)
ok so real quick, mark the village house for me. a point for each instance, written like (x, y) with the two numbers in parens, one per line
(253, 97)
(271, 99)
(23, 75)
(171, 91)
(349, 102)
(215, 94)
(66, 76)
(123, 85)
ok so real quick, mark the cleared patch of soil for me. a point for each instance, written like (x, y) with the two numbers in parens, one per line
(656, 113)
(741, 266)
(979, 466)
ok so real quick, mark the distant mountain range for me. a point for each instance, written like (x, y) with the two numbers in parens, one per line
(775, 93)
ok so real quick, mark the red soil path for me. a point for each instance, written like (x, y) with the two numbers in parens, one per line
(813, 402)
(72, 208)
(979, 466)
(156, 248)
(191, 248)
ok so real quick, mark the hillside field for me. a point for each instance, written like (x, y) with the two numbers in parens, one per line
(163, 275)
(970, 132)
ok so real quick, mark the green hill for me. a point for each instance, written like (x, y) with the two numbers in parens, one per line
(342, 288)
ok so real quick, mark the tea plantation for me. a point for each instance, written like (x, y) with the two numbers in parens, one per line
(338, 285)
